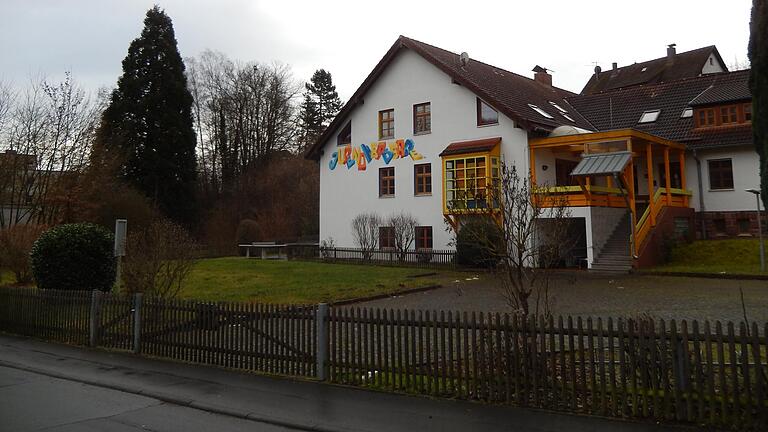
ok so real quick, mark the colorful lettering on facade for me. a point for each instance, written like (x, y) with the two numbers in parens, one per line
(363, 154)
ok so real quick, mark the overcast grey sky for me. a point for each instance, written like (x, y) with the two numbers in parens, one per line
(91, 37)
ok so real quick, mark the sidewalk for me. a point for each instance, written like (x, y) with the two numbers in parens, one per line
(295, 404)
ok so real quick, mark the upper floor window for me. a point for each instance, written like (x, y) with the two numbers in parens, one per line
(706, 117)
(422, 179)
(563, 170)
(725, 115)
(387, 124)
(345, 136)
(422, 118)
(468, 182)
(720, 174)
(387, 182)
(486, 115)
(729, 115)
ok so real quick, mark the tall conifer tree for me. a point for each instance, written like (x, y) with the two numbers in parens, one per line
(147, 126)
(758, 83)
(321, 104)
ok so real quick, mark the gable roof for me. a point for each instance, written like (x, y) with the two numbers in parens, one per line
(685, 65)
(507, 92)
(621, 109)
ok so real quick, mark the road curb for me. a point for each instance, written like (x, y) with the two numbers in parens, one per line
(384, 296)
(729, 276)
(190, 403)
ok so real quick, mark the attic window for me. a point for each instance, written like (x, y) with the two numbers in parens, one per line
(643, 69)
(568, 117)
(345, 136)
(559, 108)
(486, 115)
(649, 116)
(540, 111)
(687, 113)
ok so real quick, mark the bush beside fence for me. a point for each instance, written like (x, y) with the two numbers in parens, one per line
(701, 373)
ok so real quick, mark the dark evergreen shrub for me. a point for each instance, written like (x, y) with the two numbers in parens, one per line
(74, 257)
(478, 244)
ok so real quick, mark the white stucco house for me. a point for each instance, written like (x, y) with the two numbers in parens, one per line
(642, 153)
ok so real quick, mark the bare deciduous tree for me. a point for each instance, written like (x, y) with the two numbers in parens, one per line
(365, 231)
(403, 232)
(243, 112)
(534, 233)
(158, 259)
(47, 138)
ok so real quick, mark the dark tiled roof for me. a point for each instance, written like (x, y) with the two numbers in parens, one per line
(507, 92)
(462, 147)
(724, 92)
(722, 137)
(622, 109)
(685, 65)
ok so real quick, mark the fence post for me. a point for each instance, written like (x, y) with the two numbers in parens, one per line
(95, 316)
(137, 300)
(321, 323)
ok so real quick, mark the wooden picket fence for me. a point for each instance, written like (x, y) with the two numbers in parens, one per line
(275, 339)
(698, 373)
(428, 258)
(703, 374)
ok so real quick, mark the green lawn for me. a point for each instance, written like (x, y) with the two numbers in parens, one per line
(737, 256)
(6, 277)
(297, 282)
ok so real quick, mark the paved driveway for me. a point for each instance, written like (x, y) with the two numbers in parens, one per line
(581, 294)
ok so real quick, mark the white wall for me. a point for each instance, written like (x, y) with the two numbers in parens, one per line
(712, 65)
(746, 169)
(408, 80)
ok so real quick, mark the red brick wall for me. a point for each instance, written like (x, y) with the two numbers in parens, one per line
(727, 224)
(652, 251)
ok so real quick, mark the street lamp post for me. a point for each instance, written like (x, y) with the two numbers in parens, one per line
(756, 192)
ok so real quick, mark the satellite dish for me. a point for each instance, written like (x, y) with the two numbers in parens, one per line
(464, 57)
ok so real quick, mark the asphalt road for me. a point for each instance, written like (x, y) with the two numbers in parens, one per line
(33, 402)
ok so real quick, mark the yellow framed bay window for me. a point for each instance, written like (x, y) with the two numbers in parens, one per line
(469, 171)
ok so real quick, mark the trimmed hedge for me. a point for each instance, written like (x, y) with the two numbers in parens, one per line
(74, 257)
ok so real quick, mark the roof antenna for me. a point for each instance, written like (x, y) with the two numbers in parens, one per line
(610, 110)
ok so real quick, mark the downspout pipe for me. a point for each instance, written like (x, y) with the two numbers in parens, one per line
(702, 207)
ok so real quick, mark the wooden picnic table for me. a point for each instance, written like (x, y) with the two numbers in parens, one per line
(264, 248)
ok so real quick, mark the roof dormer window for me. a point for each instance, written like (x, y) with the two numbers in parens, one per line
(649, 116)
(687, 113)
(540, 111)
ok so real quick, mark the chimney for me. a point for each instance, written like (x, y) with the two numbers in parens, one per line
(542, 76)
(615, 65)
(671, 52)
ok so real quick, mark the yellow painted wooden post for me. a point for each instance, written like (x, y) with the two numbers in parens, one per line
(649, 167)
(533, 166)
(666, 174)
(683, 186)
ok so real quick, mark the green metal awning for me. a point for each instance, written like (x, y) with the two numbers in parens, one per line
(602, 164)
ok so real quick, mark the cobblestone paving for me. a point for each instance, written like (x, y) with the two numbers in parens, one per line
(581, 294)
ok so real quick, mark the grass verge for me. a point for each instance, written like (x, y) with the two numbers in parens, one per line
(297, 282)
(732, 256)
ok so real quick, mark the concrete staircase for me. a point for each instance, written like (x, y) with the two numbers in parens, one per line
(615, 256)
